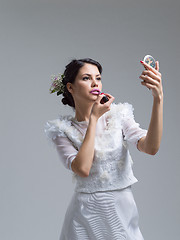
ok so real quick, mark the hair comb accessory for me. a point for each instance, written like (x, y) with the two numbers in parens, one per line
(57, 84)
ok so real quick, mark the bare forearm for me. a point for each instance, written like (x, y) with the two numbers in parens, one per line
(84, 158)
(151, 143)
(152, 79)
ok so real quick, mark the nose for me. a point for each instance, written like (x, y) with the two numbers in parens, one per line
(94, 82)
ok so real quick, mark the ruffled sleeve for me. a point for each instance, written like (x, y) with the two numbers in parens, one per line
(132, 132)
(54, 131)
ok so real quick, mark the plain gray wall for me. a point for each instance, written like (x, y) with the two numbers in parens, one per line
(38, 38)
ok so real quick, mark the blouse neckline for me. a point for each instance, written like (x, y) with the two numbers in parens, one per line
(80, 122)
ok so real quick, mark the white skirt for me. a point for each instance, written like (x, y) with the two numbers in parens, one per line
(107, 215)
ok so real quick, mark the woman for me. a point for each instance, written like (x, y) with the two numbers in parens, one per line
(93, 145)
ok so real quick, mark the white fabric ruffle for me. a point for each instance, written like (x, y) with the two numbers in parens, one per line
(119, 117)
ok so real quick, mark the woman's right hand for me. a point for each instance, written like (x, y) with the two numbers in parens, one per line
(98, 109)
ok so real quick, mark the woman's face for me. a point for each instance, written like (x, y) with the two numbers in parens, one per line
(87, 79)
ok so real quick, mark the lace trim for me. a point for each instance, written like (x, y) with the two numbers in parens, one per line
(110, 145)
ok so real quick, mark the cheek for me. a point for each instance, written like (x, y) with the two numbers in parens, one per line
(84, 86)
(82, 89)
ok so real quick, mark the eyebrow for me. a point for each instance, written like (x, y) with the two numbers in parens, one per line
(89, 74)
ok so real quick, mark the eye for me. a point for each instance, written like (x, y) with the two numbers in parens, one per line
(85, 78)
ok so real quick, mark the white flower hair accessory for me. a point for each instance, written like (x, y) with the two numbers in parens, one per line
(57, 84)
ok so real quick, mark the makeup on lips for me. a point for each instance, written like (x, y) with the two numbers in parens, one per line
(98, 92)
(95, 91)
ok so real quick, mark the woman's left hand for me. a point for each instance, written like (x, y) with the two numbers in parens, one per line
(152, 79)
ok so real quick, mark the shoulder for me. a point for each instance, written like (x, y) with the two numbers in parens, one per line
(57, 127)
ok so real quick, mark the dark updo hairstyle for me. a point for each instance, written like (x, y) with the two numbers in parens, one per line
(70, 74)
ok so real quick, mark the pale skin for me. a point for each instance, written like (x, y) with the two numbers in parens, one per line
(88, 108)
(152, 79)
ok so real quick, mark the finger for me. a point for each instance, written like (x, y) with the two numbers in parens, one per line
(150, 74)
(157, 66)
(148, 67)
(110, 97)
(144, 84)
(100, 96)
(148, 85)
(148, 79)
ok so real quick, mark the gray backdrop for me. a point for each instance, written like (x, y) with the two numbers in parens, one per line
(38, 38)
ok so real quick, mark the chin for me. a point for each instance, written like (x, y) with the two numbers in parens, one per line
(95, 97)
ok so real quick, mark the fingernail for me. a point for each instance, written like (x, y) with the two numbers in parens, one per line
(101, 93)
(141, 61)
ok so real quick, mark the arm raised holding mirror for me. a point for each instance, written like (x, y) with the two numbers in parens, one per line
(152, 79)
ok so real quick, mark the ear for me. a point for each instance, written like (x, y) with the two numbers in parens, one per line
(69, 87)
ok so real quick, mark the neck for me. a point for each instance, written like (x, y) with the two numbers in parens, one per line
(83, 112)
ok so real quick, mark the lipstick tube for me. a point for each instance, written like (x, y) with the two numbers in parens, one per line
(104, 99)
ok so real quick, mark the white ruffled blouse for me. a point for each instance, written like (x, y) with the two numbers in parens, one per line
(112, 164)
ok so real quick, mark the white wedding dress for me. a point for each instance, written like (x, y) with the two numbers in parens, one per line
(102, 206)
